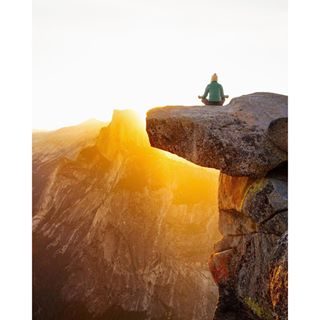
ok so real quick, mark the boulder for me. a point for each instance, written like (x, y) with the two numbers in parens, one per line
(244, 138)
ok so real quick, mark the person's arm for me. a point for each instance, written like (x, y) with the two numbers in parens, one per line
(205, 92)
(221, 92)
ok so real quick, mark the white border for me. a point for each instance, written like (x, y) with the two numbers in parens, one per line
(304, 164)
(15, 166)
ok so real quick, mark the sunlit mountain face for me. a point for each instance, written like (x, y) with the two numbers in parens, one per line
(120, 230)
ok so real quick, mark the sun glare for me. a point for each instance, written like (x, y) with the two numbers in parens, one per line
(142, 113)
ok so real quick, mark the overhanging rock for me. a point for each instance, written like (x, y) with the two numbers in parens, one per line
(243, 138)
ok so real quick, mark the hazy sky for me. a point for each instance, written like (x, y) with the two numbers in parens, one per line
(93, 56)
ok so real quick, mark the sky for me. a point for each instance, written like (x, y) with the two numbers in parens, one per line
(93, 56)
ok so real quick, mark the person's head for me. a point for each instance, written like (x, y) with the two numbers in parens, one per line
(214, 77)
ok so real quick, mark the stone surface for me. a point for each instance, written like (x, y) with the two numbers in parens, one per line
(266, 203)
(247, 141)
(118, 230)
(240, 139)
(278, 133)
(252, 273)
(279, 279)
(248, 205)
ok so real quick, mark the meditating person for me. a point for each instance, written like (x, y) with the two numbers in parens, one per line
(215, 91)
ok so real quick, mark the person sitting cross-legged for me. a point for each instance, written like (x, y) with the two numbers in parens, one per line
(215, 91)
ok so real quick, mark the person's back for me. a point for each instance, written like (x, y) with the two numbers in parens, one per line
(215, 91)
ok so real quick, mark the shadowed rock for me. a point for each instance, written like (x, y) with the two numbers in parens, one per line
(278, 133)
(240, 139)
(250, 262)
(279, 279)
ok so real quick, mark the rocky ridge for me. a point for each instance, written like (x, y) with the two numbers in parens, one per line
(247, 141)
(118, 230)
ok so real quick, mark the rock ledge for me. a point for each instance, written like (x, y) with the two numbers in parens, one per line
(244, 138)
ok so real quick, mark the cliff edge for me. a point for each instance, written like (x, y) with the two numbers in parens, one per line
(243, 138)
(247, 141)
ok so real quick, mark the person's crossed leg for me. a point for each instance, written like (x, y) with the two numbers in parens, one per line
(212, 103)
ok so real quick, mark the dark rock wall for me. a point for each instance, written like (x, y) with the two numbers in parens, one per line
(248, 264)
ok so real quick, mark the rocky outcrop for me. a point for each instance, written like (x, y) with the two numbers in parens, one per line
(253, 218)
(119, 232)
(247, 141)
(235, 139)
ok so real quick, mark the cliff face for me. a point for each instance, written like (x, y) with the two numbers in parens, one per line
(120, 231)
(247, 141)
(49, 148)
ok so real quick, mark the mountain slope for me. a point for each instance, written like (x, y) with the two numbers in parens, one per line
(50, 148)
(122, 231)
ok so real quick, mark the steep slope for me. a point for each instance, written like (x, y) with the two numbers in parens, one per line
(66, 141)
(50, 148)
(247, 141)
(123, 231)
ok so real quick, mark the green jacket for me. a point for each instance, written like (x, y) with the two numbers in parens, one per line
(215, 91)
